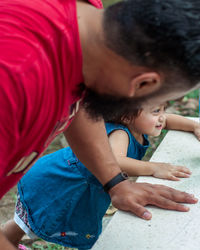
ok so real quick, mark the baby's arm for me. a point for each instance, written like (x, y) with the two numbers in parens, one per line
(119, 141)
(178, 122)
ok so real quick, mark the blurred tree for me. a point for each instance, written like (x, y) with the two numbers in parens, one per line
(106, 3)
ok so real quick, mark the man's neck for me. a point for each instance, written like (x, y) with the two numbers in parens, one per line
(89, 19)
(91, 36)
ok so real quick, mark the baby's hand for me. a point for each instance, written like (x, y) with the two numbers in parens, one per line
(197, 131)
(170, 172)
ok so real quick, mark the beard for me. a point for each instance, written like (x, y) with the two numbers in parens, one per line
(108, 107)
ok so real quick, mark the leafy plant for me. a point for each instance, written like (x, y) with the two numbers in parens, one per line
(194, 94)
(42, 245)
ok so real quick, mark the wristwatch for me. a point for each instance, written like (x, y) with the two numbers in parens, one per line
(115, 180)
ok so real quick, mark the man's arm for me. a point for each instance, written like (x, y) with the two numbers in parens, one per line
(88, 140)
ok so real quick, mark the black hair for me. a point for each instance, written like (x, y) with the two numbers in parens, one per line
(126, 117)
(159, 34)
(110, 108)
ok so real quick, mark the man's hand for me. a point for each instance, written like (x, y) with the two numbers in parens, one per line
(132, 197)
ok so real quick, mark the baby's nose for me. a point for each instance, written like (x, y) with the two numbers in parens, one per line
(161, 118)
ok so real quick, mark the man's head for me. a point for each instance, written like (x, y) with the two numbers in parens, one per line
(162, 36)
(152, 51)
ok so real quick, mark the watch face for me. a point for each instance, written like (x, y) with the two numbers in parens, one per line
(125, 175)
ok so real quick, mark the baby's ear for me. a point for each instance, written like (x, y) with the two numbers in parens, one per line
(126, 120)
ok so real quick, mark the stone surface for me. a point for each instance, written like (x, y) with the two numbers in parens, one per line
(167, 229)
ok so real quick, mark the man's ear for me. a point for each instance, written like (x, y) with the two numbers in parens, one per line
(146, 83)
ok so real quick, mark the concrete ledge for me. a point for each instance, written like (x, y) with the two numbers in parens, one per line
(168, 230)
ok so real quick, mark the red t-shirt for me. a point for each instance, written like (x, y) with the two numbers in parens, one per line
(40, 67)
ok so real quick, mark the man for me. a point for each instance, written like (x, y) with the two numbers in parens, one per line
(133, 53)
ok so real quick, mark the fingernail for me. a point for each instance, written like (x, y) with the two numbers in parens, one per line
(186, 209)
(146, 216)
(193, 198)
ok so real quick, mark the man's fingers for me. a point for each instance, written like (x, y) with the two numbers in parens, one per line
(176, 196)
(169, 204)
(137, 195)
(140, 211)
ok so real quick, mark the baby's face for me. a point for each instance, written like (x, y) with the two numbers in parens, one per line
(150, 121)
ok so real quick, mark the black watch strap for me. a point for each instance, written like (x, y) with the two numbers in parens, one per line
(115, 180)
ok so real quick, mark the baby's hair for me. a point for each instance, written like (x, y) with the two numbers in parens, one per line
(126, 118)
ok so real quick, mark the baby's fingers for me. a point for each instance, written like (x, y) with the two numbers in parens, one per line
(173, 178)
(181, 174)
(197, 133)
(183, 170)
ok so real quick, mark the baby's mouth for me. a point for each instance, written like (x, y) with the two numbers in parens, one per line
(159, 126)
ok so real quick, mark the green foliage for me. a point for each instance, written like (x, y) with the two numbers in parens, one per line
(106, 3)
(194, 94)
(196, 113)
(14, 196)
(154, 141)
(48, 246)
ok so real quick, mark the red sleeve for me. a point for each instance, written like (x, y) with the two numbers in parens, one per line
(9, 128)
(97, 3)
(9, 119)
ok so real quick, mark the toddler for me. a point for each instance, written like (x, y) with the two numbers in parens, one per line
(60, 201)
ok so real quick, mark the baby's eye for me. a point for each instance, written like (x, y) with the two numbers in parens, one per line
(156, 111)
